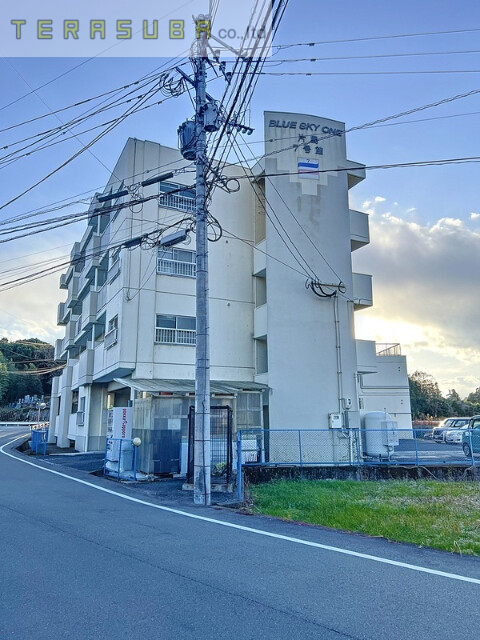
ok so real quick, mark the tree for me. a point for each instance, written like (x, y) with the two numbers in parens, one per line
(474, 396)
(458, 407)
(26, 356)
(425, 397)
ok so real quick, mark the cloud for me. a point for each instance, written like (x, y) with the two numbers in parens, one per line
(426, 292)
(379, 199)
(474, 216)
(30, 310)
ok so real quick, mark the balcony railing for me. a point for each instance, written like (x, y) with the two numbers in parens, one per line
(174, 201)
(389, 349)
(176, 336)
(176, 268)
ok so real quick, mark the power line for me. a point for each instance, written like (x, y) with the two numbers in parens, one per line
(302, 230)
(75, 104)
(355, 128)
(41, 211)
(278, 61)
(307, 270)
(81, 64)
(78, 153)
(10, 158)
(366, 73)
(370, 38)
(121, 99)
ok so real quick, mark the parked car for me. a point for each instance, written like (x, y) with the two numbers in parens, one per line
(471, 437)
(454, 436)
(440, 430)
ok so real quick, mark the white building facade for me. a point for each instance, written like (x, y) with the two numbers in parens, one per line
(282, 301)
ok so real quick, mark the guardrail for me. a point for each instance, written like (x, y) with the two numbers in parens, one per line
(353, 447)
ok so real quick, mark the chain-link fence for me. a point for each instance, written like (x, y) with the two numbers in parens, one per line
(120, 459)
(355, 447)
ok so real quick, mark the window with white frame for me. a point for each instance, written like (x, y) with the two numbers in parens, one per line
(111, 337)
(176, 262)
(177, 196)
(176, 330)
(81, 412)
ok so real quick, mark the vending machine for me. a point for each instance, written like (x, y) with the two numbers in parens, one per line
(119, 448)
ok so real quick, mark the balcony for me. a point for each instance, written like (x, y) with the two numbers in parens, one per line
(366, 356)
(93, 251)
(63, 314)
(60, 354)
(175, 201)
(114, 271)
(70, 335)
(355, 173)
(362, 291)
(105, 241)
(359, 230)
(64, 281)
(76, 251)
(111, 338)
(83, 283)
(260, 322)
(388, 349)
(78, 330)
(175, 336)
(260, 257)
(73, 289)
(85, 366)
(89, 309)
(102, 298)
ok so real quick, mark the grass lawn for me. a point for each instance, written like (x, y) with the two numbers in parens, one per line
(443, 515)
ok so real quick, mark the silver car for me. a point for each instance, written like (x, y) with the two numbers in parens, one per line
(454, 436)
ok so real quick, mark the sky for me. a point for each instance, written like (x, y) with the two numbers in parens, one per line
(424, 221)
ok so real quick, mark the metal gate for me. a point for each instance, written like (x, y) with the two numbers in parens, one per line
(220, 444)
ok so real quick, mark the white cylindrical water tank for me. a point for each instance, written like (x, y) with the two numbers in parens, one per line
(381, 434)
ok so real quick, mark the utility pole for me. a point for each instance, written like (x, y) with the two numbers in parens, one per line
(202, 456)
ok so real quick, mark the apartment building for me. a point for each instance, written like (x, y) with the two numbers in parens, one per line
(282, 301)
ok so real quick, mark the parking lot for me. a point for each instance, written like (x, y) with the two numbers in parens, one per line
(429, 452)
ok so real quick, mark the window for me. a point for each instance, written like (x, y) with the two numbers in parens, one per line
(74, 401)
(176, 262)
(183, 198)
(81, 412)
(111, 336)
(176, 330)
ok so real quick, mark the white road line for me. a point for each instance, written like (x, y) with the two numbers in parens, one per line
(260, 532)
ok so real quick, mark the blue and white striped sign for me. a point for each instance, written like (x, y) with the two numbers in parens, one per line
(308, 168)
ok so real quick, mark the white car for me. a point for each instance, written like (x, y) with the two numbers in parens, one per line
(449, 424)
(454, 436)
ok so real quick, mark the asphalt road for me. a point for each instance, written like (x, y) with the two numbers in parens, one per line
(80, 562)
